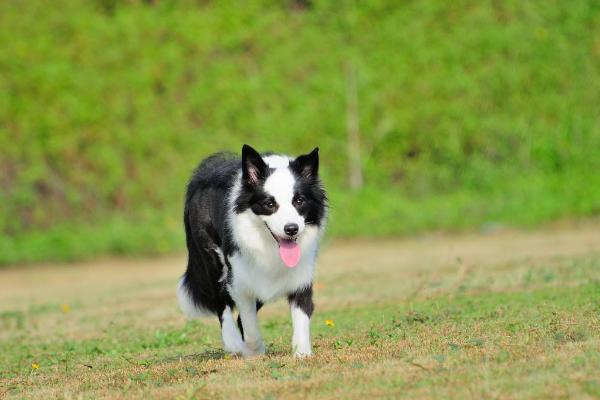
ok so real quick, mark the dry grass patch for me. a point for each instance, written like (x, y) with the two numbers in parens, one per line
(429, 317)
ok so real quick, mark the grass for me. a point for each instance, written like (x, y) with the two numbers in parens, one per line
(436, 316)
(470, 113)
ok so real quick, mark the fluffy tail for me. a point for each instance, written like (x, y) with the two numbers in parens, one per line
(187, 304)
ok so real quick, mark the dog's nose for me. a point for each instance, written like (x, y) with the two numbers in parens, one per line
(290, 229)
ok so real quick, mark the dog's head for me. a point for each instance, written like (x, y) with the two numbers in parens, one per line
(284, 193)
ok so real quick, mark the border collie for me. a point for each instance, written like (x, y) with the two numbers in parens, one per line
(252, 229)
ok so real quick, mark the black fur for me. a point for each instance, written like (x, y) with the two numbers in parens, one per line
(206, 229)
(306, 168)
(303, 300)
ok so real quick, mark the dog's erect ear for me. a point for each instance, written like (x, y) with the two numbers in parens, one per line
(307, 165)
(253, 166)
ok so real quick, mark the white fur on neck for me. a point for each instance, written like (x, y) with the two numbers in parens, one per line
(257, 267)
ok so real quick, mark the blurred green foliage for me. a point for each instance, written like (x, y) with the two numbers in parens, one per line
(471, 112)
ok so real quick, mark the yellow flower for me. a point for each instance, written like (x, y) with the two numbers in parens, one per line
(329, 322)
(35, 366)
(65, 308)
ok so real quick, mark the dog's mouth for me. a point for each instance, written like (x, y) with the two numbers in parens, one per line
(289, 250)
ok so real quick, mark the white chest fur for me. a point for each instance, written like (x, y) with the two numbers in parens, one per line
(267, 283)
(257, 269)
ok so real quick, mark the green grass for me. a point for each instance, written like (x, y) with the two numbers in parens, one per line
(471, 113)
(523, 328)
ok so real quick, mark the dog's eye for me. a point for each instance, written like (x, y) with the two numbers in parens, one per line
(269, 204)
(298, 201)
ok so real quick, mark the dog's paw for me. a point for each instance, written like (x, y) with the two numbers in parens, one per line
(302, 351)
(298, 354)
(254, 348)
(237, 349)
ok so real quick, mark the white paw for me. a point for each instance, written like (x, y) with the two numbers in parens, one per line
(302, 352)
(236, 349)
(255, 348)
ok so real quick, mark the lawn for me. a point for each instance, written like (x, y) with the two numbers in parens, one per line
(501, 315)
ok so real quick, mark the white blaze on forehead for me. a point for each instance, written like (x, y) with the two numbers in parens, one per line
(277, 161)
(280, 184)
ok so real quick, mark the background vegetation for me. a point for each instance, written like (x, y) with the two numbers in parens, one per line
(470, 113)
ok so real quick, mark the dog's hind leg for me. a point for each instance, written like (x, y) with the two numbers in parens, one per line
(232, 339)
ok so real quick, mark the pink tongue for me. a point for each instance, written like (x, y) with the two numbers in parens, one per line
(289, 251)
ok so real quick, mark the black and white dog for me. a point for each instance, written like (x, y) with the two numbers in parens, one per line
(253, 228)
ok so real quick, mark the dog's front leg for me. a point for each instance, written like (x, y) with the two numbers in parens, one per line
(301, 308)
(232, 339)
(254, 342)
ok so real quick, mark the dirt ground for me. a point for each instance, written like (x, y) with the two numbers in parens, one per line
(349, 264)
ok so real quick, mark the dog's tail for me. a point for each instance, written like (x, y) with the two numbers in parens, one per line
(187, 304)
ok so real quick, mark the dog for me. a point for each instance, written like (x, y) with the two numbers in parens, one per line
(253, 227)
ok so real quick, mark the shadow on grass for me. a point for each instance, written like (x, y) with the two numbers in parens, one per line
(208, 354)
(213, 354)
